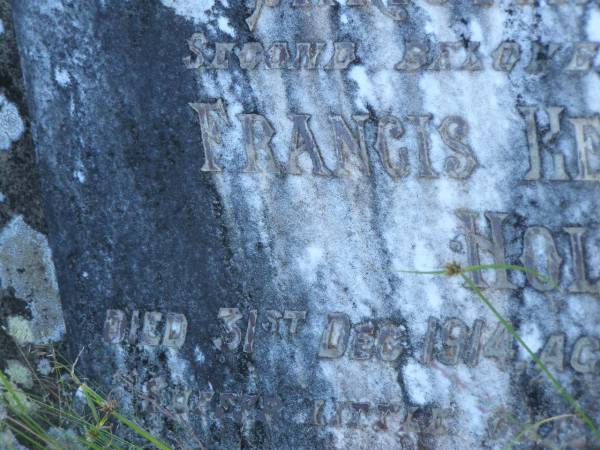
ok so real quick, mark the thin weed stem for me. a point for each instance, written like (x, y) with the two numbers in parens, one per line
(453, 269)
(533, 426)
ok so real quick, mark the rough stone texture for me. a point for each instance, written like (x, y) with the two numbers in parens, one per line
(135, 224)
(30, 310)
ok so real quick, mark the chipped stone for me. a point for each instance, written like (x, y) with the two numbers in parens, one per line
(26, 265)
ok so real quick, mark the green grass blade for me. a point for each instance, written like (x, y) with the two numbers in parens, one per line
(532, 426)
(564, 394)
(139, 431)
(518, 268)
(17, 430)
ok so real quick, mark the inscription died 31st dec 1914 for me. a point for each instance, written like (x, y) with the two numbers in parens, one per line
(449, 342)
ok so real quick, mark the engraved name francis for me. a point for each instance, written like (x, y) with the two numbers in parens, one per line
(350, 143)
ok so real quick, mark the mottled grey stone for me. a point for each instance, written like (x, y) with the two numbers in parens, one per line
(204, 177)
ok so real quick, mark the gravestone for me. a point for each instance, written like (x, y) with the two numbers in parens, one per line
(233, 190)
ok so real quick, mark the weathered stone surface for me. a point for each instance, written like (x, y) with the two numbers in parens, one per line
(30, 310)
(231, 189)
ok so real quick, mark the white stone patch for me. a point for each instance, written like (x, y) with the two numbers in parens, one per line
(26, 265)
(532, 336)
(593, 25)
(198, 355)
(11, 124)
(191, 9)
(418, 383)
(62, 77)
(366, 89)
(225, 26)
(79, 175)
(310, 261)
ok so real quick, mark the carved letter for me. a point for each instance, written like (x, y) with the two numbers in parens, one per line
(588, 364)
(294, 317)
(272, 325)
(391, 126)
(393, 9)
(535, 162)
(363, 341)
(195, 44)
(442, 60)
(583, 56)
(278, 55)
(586, 151)
(133, 329)
(553, 354)
(416, 56)
(250, 123)
(581, 283)
(495, 246)
(359, 411)
(453, 131)
(390, 342)
(473, 345)
(385, 410)
(307, 54)
(115, 326)
(344, 54)
(175, 330)
(317, 416)
(250, 331)
(253, 19)
(506, 56)
(541, 54)
(304, 141)
(150, 335)
(539, 245)
(250, 55)
(222, 52)
(230, 317)
(425, 169)
(210, 133)
(472, 61)
(335, 336)
(348, 145)
(454, 335)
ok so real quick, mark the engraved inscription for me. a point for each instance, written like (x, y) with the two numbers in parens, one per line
(154, 329)
(540, 252)
(351, 147)
(363, 341)
(543, 146)
(275, 323)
